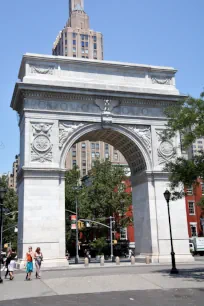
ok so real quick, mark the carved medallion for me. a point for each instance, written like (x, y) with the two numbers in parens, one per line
(165, 152)
(41, 143)
(41, 147)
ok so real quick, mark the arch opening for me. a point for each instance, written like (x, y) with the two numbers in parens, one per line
(123, 140)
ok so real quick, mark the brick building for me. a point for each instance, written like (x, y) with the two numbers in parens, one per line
(195, 214)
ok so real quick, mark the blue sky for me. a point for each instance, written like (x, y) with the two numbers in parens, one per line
(157, 32)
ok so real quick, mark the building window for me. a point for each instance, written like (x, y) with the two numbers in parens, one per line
(116, 156)
(200, 147)
(199, 141)
(93, 154)
(65, 34)
(74, 146)
(97, 154)
(86, 44)
(193, 227)
(83, 145)
(82, 50)
(74, 35)
(93, 146)
(95, 53)
(74, 42)
(202, 188)
(97, 146)
(74, 163)
(191, 207)
(94, 38)
(86, 37)
(106, 146)
(65, 41)
(189, 190)
(83, 154)
(82, 36)
(95, 46)
(86, 51)
(83, 163)
(123, 233)
(74, 49)
(84, 172)
(74, 55)
(82, 44)
(74, 153)
(106, 155)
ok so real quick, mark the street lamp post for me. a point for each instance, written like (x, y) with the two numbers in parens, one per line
(2, 193)
(77, 188)
(111, 236)
(77, 234)
(174, 270)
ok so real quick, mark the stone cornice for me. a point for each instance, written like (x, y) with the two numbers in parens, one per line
(40, 92)
(40, 173)
(104, 64)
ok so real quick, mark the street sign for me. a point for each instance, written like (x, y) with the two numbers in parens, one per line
(73, 226)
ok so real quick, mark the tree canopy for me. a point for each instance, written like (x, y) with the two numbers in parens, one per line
(102, 194)
(10, 205)
(187, 118)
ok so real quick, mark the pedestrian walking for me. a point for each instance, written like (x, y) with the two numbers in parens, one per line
(38, 261)
(12, 263)
(7, 262)
(29, 263)
(130, 253)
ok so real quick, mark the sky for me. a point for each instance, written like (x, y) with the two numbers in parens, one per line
(154, 32)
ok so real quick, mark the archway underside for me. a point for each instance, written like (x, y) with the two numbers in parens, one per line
(121, 143)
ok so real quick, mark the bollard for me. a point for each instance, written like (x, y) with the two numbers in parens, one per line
(147, 260)
(86, 262)
(102, 261)
(117, 260)
(132, 260)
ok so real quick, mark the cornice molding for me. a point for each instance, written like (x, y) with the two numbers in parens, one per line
(47, 95)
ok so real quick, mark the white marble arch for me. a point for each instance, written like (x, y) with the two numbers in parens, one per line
(61, 101)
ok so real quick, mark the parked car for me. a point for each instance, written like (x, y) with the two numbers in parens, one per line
(198, 245)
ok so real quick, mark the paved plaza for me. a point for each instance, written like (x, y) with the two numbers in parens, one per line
(127, 285)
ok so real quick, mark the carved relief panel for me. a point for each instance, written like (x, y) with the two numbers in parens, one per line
(66, 129)
(41, 146)
(165, 149)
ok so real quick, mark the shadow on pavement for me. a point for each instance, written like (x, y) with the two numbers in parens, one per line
(196, 274)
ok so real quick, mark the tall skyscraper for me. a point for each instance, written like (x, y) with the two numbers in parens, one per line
(78, 40)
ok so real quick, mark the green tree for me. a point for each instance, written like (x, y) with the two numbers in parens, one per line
(71, 181)
(187, 118)
(10, 204)
(102, 197)
(105, 194)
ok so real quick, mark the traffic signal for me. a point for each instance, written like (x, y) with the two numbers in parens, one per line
(80, 225)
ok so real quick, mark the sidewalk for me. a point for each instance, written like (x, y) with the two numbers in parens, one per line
(68, 282)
